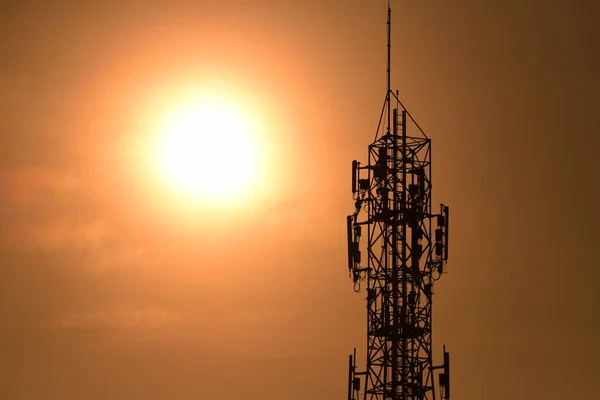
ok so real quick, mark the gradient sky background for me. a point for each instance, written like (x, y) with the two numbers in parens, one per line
(111, 287)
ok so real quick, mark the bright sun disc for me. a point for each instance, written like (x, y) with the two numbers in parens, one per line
(209, 150)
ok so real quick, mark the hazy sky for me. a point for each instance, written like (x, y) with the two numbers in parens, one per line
(113, 287)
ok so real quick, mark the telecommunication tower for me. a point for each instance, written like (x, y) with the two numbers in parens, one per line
(406, 250)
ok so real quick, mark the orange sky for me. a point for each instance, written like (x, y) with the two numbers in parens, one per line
(113, 287)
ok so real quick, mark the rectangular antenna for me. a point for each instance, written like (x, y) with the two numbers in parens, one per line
(350, 377)
(354, 177)
(350, 248)
(447, 374)
(447, 214)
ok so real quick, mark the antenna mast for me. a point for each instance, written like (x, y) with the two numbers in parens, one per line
(389, 64)
(407, 249)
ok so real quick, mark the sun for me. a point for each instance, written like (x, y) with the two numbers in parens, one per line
(209, 149)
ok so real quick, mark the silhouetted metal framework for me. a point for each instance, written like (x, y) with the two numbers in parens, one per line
(406, 247)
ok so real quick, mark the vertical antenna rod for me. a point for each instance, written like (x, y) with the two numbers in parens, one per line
(389, 65)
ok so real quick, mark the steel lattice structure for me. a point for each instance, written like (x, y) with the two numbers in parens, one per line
(406, 247)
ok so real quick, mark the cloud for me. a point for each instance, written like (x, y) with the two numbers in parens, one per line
(120, 320)
(48, 209)
(56, 211)
(63, 234)
(26, 188)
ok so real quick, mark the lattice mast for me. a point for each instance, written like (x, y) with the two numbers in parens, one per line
(407, 247)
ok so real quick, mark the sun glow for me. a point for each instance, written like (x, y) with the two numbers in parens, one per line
(210, 149)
